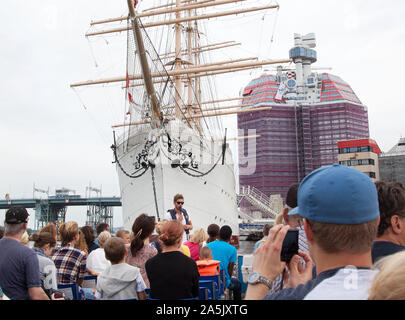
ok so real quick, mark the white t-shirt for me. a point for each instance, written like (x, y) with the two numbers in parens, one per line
(96, 261)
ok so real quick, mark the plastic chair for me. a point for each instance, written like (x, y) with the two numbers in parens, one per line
(205, 294)
(211, 285)
(71, 290)
(217, 280)
(223, 281)
(89, 281)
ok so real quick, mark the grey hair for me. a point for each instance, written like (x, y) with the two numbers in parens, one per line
(13, 229)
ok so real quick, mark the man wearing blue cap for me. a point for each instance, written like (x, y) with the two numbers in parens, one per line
(341, 215)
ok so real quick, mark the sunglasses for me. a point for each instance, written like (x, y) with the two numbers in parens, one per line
(178, 202)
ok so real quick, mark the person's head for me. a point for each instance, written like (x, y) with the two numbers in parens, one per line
(159, 226)
(199, 236)
(88, 233)
(124, 235)
(205, 253)
(291, 202)
(102, 226)
(172, 234)
(25, 239)
(178, 201)
(266, 229)
(44, 241)
(142, 228)
(50, 228)
(81, 243)
(391, 199)
(69, 233)
(225, 233)
(389, 283)
(213, 232)
(16, 221)
(114, 249)
(340, 207)
(103, 237)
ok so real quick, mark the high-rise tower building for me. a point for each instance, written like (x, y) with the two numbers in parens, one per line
(310, 113)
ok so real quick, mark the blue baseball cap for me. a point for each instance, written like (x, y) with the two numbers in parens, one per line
(338, 194)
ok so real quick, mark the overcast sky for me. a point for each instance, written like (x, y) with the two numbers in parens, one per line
(56, 138)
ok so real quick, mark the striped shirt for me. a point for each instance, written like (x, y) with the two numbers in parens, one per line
(70, 263)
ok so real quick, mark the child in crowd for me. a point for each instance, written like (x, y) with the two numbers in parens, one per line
(96, 261)
(124, 235)
(206, 265)
(44, 244)
(196, 242)
(120, 281)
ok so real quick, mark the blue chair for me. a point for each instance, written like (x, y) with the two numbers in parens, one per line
(240, 275)
(217, 280)
(211, 285)
(71, 290)
(223, 281)
(205, 294)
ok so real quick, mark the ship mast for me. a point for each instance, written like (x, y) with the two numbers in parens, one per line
(146, 74)
(186, 74)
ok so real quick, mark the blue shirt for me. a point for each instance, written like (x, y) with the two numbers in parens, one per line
(19, 269)
(225, 253)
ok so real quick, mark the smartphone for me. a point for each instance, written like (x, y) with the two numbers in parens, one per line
(290, 245)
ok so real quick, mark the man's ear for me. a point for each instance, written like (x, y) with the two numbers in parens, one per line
(308, 231)
(397, 224)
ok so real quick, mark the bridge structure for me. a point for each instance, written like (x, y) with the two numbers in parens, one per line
(54, 208)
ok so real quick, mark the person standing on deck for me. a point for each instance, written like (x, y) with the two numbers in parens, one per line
(180, 214)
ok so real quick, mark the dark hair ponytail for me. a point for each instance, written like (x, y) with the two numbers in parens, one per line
(142, 228)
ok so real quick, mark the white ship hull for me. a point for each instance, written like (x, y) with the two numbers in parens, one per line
(208, 199)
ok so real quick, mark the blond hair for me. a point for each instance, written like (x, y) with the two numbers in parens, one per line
(389, 283)
(25, 239)
(159, 226)
(68, 232)
(103, 237)
(199, 236)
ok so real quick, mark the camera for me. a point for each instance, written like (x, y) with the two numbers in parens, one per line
(290, 245)
(57, 294)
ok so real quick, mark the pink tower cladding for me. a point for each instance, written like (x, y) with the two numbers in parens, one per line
(310, 113)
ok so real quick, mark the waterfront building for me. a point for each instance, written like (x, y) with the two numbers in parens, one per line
(362, 155)
(310, 113)
(392, 163)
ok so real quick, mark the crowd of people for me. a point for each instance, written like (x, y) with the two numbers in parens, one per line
(155, 260)
(351, 241)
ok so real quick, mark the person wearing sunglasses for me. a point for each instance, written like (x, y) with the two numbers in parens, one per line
(180, 214)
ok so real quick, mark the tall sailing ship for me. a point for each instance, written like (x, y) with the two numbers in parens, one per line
(172, 139)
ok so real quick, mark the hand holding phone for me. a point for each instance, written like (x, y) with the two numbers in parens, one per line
(290, 245)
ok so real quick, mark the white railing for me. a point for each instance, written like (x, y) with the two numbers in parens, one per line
(259, 199)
